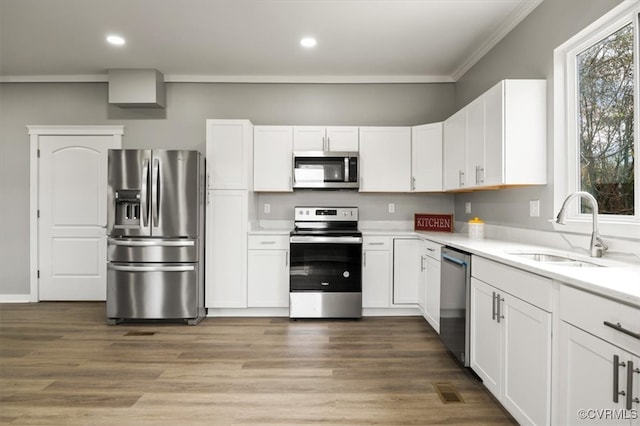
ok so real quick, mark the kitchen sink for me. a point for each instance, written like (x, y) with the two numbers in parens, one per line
(554, 259)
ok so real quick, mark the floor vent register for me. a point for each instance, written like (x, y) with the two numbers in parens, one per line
(448, 393)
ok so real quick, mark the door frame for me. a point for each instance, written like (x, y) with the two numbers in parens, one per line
(35, 131)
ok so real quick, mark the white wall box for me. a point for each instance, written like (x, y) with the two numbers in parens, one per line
(385, 159)
(376, 272)
(273, 158)
(431, 308)
(595, 357)
(228, 216)
(503, 133)
(320, 138)
(426, 158)
(268, 271)
(408, 270)
(229, 154)
(511, 338)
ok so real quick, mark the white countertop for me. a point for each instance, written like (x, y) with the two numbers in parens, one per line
(616, 280)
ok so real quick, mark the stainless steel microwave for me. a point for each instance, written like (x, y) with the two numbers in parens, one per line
(325, 170)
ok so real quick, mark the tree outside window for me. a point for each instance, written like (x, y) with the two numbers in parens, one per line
(606, 128)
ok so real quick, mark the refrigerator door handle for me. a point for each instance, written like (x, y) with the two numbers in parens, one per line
(144, 197)
(155, 189)
(173, 268)
(151, 243)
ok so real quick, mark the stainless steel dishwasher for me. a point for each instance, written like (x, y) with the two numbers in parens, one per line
(455, 293)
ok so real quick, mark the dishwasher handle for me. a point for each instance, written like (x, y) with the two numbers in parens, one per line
(455, 260)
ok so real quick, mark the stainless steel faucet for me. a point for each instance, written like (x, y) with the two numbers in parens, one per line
(597, 246)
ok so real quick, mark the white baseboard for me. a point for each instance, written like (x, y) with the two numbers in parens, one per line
(15, 298)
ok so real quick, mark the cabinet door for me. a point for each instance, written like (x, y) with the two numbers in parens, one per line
(432, 303)
(486, 356)
(268, 278)
(309, 138)
(273, 158)
(407, 270)
(229, 154)
(586, 377)
(475, 143)
(385, 159)
(493, 168)
(454, 151)
(426, 157)
(376, 279)
(527, 361)
(342, 138)
(226, 252)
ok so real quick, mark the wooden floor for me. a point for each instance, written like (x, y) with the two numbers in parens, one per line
(60, 364)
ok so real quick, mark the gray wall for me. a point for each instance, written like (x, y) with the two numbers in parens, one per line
(526, 52)
(182, 125)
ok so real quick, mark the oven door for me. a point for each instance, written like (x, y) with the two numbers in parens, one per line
(325, 264)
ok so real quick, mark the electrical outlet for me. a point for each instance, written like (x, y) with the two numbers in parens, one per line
(267, 208)
(467, 207)
(534, 208)
(392, 208)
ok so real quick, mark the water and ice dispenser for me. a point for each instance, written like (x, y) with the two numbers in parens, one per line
(128, 212)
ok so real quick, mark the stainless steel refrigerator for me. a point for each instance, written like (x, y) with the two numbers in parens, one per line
(155, 228)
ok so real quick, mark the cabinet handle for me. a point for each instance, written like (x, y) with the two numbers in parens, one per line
(413, 183)
(431, 249)
(621, 329)
(616, 367)
(493, 306)
(421, 263)
(481, 174)
(630, 372)
(460, 178)
(328, 143)
(267, 242)
(499, 315)
(286, 258)
(375, 244)
(364, 258)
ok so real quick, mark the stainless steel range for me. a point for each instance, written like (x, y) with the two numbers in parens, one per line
(325, 279)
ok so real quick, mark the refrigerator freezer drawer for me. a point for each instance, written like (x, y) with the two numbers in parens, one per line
(152, 250)
(153, 291)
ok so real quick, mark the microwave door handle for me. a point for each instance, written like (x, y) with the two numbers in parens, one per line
(144, 196)
(346, 169)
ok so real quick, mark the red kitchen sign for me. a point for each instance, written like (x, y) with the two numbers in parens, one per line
(433, 222)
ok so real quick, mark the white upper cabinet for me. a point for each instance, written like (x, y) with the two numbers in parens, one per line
(229, 154)
(320, 138)
(454, 151)
(385, 159)
(426, 157)
(498, 139)
(273, 158)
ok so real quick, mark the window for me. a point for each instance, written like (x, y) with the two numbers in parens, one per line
(596, 100)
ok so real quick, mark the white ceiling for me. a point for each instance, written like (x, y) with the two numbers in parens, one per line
(253, 40)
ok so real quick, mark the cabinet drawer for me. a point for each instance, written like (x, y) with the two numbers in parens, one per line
(376, 243)
(433, 249)
(589, 312)
(529, 287)
(268, 242)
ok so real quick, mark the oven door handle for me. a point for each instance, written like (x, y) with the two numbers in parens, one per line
(330, 240)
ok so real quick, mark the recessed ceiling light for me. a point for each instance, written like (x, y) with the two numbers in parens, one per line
(308, 42)
(115, 40)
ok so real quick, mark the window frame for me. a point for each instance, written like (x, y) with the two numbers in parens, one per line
(566, 126)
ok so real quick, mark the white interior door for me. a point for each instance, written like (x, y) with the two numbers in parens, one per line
(72, 203)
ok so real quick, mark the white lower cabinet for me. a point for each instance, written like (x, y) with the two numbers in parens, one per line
(226, 249)
(511, 339)
(599, 365)
(408, 270)
(431, 309)
(268, 271)
(376, 272)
